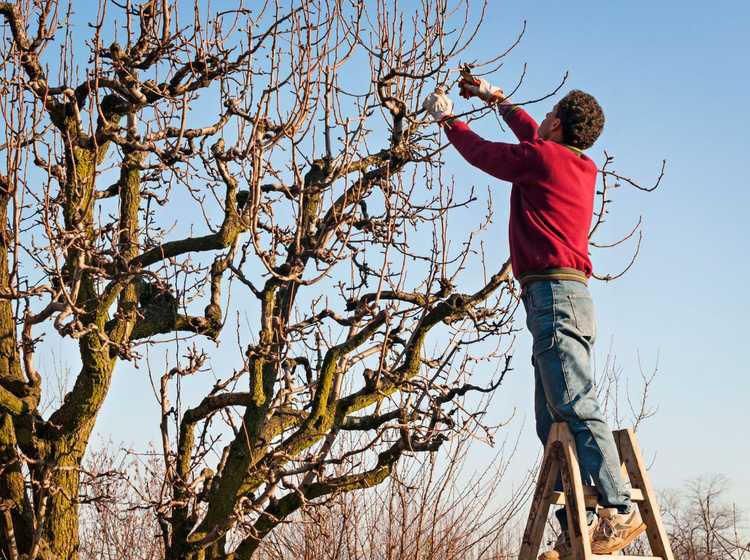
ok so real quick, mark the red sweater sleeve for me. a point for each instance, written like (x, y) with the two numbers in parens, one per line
(521, 123)
(509, 162)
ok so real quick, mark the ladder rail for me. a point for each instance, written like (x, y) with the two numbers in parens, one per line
(578, 531)
(649, 508)
(548, 471)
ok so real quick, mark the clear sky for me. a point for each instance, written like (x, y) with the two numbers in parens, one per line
(672, 77)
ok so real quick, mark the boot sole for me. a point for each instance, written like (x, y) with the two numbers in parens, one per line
(629, 538)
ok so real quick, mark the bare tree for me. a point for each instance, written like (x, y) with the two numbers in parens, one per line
(116, 521)
(429, 508)
(625, 401)
(704, 524)
(167, 152)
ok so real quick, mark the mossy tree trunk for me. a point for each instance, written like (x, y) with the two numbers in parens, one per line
(314, 227)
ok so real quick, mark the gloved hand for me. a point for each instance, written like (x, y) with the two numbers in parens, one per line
(438, 105)
(477, 87)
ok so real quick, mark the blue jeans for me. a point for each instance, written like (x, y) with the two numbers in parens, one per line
(560, 317)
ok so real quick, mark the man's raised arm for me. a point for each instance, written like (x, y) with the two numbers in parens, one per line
(520, 122)
(509, 162)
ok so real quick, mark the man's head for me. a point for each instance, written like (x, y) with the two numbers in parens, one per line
(576, 120)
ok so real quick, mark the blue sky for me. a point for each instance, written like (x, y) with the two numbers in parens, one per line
(673, 80)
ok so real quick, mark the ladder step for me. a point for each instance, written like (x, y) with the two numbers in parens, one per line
(591, 495)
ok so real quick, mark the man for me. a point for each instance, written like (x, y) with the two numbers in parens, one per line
(551, 206)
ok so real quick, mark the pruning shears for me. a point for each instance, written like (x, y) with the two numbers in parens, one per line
(465, 71)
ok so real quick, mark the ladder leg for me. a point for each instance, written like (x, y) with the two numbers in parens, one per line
(630, 455)
(575, 505)
(532, 536)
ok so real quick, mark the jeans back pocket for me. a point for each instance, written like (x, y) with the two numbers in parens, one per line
(583, 314)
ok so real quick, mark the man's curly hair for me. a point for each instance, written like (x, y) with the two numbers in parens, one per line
(582, 119)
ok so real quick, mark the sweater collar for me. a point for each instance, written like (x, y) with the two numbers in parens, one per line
(574, 149)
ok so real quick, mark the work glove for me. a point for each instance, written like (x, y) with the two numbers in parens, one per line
(438, 105)
(477, 87)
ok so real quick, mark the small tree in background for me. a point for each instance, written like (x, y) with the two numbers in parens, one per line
(703, 524)
(167, 152)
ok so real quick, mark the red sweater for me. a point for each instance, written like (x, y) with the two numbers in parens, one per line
(552, 199)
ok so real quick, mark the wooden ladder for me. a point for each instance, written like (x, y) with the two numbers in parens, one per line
(560, 457)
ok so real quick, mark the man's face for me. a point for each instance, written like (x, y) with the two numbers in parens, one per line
(550, 125)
